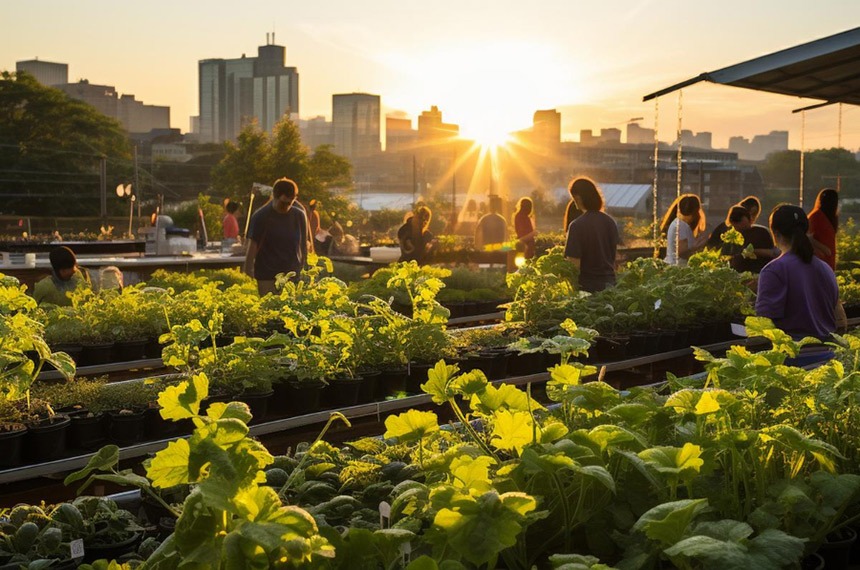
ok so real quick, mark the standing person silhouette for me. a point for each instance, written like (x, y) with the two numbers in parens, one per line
(592, 238)
(524, 226)
(684, 225)
(823, 224)
(277, 238)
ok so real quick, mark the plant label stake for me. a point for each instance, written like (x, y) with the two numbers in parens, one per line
(384, 514)
(76, 549)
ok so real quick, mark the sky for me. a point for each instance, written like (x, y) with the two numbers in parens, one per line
(488, 65)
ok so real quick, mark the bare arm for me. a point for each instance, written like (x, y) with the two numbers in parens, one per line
(818, 247)
(250, 256)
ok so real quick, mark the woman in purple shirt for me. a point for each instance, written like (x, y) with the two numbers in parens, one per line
(797, 290)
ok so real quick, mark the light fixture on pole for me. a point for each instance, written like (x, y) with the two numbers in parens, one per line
(122, 191)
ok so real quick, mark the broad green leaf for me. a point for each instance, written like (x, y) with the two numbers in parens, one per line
(505, 396)
(512, 430)
(707, 404)
(667, 523)
(438, 379)
(479, 529)
(183, 400)
(411, 426)
(169, 467)
(472, 474)
(471, 383)
(234, 410)
(683, 462)
(63, 363)
(105, 458)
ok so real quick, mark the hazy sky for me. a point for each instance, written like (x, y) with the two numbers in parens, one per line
(486, 64)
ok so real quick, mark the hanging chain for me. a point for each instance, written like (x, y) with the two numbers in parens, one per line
(802, 147)
(678, 178)
(839, 146)
(655, 234)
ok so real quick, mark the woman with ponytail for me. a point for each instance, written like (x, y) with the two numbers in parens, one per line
(684, 226)
(797, 290)
(823, 223)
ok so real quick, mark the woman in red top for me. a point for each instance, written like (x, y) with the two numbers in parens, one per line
(524, 225)
(823, 223)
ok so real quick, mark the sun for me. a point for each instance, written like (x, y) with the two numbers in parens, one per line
(487, 135)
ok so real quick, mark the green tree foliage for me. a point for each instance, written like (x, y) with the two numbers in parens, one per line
(262, 157)
(50, 148)
(820, 170)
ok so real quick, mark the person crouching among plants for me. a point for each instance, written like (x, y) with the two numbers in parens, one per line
(65, 277)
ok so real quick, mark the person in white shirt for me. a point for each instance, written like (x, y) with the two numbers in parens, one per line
(684, 228)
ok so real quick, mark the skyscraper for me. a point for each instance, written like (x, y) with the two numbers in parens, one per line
(355, 124)
(235, 91)
(45, 72)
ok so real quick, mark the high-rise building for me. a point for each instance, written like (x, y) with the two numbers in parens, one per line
(315, 131)
(639, 135)
(233, 92)
(761, 145)
(45, 72)
(399, 134)
(546, 128)
(355, 124)
(134, 115)
(698, 140)
(430, 126)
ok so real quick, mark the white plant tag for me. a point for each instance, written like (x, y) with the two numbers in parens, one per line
(739, 330)
(406, 552)
(658, 303)
(77, 548)
(384, 514)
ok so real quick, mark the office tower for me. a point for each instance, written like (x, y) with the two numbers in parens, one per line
(233, 92)
(45, 72)
(639, 135)
(546, 128)
(355, 124)
(399, 134)
(430, 126)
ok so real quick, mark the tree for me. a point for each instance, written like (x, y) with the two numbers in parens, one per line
(781, 170)
(260, 157)
(50, 150)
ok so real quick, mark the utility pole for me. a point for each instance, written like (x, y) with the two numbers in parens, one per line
(454, 193)
(137, 189)
(103, 186)
(414, 180)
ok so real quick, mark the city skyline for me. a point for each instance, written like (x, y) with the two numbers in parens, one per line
(485, 70)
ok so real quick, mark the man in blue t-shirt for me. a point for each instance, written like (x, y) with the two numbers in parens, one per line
(277, 237)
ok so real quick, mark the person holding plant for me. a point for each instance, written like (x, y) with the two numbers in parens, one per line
(823, 223)
(524, 226)
(277, 238)
(797, 290)
(684, 225)
(752, 205)
(65, 277)
(592, 238)
(757, 247)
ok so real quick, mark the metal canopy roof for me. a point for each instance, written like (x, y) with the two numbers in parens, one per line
(826, 69)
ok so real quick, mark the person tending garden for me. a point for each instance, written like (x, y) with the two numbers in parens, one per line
(592, 238)
(65, 277)
(277, 238)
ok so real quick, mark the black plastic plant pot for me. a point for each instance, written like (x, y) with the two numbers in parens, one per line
(258, 403)
(152, 349)
(96, 354)
(526, 363)
(303, 397)
(126, 426)
(155, 427)
(341, 393)
(391, 382)
(812, 562)
(836, 548)
(112, 551)
(130, 350)
(488, 307)
(86, 431)
(46, 440)
(417, 376)
(652, 343)
(636, 345)
(368, 389)
(278, 406)
(498, 365)
(11, 445)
